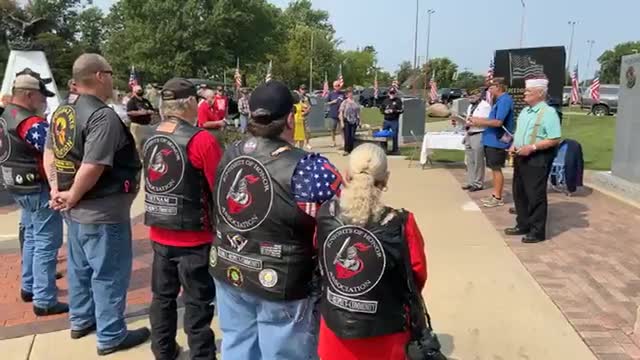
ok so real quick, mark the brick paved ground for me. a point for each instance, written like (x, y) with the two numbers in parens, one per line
(590, 268)
(17, 318)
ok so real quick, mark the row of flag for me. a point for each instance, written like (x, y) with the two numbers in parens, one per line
(593, 90)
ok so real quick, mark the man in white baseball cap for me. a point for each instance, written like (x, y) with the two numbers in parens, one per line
(535, 141)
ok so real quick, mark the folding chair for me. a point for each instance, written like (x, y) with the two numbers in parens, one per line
(557, 174)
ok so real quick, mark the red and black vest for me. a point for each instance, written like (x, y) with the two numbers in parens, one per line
(364, 293)
(264, 241)
(69, 130)
(177, 194)
(18, 159)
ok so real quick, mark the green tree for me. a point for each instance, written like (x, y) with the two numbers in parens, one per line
(358, 68)
(91, 26)
(444, 70)
(610, 61)
(404, 72)
(468, 81)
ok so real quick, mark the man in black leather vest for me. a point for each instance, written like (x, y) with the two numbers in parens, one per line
(22, 140)
(97, 172)
(263, 257)
(180, 162)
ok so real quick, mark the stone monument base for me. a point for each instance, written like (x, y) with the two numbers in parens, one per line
(617, 185)
(36, 61)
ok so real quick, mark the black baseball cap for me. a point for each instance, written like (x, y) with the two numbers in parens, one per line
(28, 71)
(270, 101)
(178, 88)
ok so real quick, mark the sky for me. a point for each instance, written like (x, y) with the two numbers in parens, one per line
(469, 31)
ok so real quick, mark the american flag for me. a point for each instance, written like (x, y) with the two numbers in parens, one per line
(268, 78)
(594, 89)
(37, 134)
(315, 181)
(340, 77)
(325, 86)
(488, 78)
(575, 90)
(237, 77)
(375, 86)
(434, 87)
(133, 81)
(523, 66)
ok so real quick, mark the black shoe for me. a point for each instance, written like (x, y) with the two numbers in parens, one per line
(512, 211)
(59, 308)
(516, 231)
(532, 239)
(133, 339)
(467, 187)
(77, 334)
(26, 296)
(475, 188)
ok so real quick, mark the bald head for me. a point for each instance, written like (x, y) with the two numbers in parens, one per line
(87, 66)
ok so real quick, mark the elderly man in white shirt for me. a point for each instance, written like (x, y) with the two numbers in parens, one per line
(474, 149)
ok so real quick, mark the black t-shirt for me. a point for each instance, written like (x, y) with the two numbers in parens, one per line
(395, 105)
(136, 104)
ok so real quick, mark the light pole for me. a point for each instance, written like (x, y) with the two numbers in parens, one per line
(590, 42)
(415, 39)
(524, 10)
(429, 13)
(311, 65)
(573, 30)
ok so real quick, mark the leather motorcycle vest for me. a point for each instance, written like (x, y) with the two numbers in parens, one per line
(177, 195)
(264, 241)
(364, 293)
(69, 129)
(18, 159)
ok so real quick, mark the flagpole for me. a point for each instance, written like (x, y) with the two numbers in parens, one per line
(311, 65)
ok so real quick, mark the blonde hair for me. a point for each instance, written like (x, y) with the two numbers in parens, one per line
(360, 200)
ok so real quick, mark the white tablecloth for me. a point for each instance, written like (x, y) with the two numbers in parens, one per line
(440, 140)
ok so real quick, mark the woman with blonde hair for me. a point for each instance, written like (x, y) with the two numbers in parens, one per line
(365, 249)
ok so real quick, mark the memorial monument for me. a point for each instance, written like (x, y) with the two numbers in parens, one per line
(21, 32)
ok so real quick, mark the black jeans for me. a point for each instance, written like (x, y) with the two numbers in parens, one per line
(530, 178)
(187, 267)
(349, 133)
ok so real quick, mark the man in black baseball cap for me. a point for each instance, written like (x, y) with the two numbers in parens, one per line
(262, 258)
(180, 230)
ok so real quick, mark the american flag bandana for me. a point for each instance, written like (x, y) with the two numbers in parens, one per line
(315, 181)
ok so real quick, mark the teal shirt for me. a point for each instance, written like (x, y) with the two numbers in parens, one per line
(549, 126)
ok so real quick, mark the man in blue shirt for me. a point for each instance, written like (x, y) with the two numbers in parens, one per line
(334, 100)
(499, 123)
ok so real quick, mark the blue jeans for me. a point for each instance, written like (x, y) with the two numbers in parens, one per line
(254, 328)
(244, 120)
(394, 125)
(42, 239)
(99, 270)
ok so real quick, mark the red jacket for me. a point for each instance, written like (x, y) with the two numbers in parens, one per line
(387, 347)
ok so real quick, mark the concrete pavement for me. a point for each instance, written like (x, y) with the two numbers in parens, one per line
(484, 303)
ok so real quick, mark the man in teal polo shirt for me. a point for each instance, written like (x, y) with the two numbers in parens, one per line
(535, 141)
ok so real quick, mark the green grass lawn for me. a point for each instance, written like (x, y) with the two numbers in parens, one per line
(373, 117)
(596, 134)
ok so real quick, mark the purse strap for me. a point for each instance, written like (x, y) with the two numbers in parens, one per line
(536, 127)
(417, 306)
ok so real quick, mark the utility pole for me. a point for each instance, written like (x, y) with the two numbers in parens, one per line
(590, 42)
(524, 11)
(573, 29)
(415, 39)
(429, 13)
(311, 65)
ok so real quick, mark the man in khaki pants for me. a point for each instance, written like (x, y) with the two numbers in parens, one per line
(139, 111)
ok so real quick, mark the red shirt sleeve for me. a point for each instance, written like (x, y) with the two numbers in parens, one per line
(26, 124)
(204, 113)
(416, 251)
(205, 153)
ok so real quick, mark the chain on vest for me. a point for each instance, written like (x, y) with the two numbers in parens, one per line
(363, 291)
(264, 242)
(18, 159)
(177, 195)
(68, 128)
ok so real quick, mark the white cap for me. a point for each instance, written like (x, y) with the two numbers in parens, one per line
(536, 83)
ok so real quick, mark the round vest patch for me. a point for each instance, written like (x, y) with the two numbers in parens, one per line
(354, 260)
(63, 126)
(213, 256)
(245, 194)
(164, 163)
(268, 278)
(235, 276)
(5, 141)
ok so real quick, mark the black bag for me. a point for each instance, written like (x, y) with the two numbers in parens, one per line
(424, 343)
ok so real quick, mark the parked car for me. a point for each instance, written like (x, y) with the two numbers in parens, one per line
(608, 103)
(566, 94)
(366, 98)
(447, 95)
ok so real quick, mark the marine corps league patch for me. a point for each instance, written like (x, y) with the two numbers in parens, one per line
(354, 260)
(245, 194)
